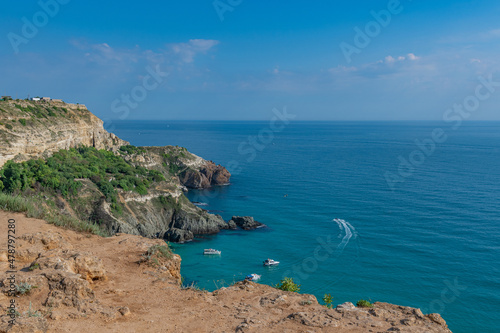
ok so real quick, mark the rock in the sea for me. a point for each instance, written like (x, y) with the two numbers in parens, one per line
(231, 225)
(208, 175)
(245, 222)
(178, 235)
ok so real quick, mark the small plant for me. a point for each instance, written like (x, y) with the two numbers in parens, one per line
(161, 251)
(308, 302)
(31, 313)
(8, 126)
(192, 286)
(364, 304)
(9, 312)
(24, 288)
(328, 299)
(34, 266)
(156, 252)
(23, 122)
(287, 284)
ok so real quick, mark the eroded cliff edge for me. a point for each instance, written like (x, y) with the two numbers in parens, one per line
(147, 184)
(75, 282)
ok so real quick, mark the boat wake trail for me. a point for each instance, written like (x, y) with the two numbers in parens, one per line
(348, 229)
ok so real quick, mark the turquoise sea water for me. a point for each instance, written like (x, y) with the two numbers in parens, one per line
(432, 242)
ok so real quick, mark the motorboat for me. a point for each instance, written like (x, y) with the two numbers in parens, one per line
(211, 251)
(252, 277)
(270, 262)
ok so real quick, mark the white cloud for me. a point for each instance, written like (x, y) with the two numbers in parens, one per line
(494, 33)
(103, 53)
(390, 60)
(413, 57)
(187, 51)
(388, 66)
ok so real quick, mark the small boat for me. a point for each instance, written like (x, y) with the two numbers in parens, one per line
(252, 277)
(211, 251)
(270, 262)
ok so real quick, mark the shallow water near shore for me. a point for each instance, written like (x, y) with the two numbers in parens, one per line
(430, 243)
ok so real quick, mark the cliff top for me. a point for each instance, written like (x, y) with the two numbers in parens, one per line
(33, 129)
(80, 283)
(23, 113)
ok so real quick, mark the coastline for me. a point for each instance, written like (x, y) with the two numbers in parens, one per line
(112, 291)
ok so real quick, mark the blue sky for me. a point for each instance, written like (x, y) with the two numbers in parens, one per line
(261, 55)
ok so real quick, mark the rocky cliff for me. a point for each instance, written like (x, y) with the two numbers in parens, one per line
(35, 129)
(40, 129)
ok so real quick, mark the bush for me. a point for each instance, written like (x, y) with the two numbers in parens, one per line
(156, 253)
(364, 304)
(161, 251)
(287, 284)
(24, 288)
(8, 126)
(34, 266)
(141, 189)
(129, 149)
(328, 299)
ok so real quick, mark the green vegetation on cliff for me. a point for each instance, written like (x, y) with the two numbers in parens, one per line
(34, 186)
(59, 173)
(287, 284)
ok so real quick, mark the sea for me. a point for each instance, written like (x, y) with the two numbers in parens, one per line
(400, 212)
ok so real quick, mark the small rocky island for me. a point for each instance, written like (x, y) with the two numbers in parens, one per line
(244, 222)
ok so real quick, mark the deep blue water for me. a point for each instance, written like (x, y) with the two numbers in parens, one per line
(431, 242)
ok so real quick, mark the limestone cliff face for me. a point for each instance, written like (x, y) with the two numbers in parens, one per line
(38, 129)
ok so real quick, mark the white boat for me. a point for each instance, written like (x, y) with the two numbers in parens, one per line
(252, 277)
(270, 262)
(211, 251)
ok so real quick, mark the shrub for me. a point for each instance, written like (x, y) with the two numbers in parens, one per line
(328, 299)
(364, 304)
(23, 122)
(129, 149)
(160, 251)
(141, 189)
(34, 266)
(156, 252)
(287, 284)
(24, 288)
(8, 126)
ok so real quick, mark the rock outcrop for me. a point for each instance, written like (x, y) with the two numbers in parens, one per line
(161, 215)
(245, 222)
(208, 175)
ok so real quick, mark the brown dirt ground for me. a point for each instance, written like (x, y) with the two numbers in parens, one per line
(158, 304)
